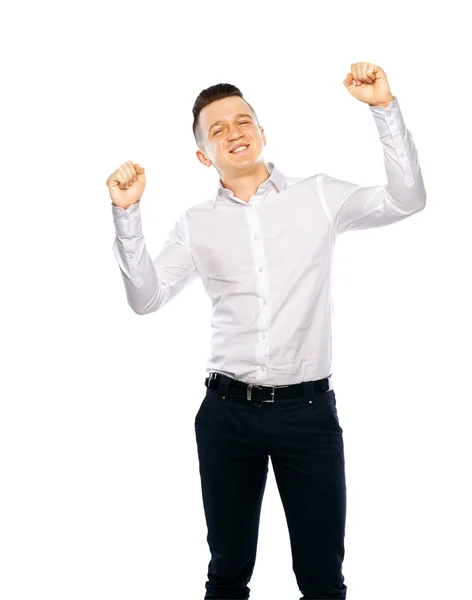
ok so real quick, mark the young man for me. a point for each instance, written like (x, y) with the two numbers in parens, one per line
(263, 247)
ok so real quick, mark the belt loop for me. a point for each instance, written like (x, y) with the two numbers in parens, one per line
(308, 390)
(224, 385)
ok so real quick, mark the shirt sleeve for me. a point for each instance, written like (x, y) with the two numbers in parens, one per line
(151, 283)
(352, 206)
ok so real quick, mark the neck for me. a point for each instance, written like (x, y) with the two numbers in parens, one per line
(245, 182)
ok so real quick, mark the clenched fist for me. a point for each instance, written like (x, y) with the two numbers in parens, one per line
(126, 184)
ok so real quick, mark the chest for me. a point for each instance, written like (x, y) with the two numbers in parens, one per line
(231, 245)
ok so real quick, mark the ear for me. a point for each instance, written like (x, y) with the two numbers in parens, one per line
(263, 135)
(203, 159)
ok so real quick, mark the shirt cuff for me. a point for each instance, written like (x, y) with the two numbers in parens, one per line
(389, 119)
(127, 222)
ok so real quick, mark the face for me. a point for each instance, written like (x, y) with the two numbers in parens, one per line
(236, 125)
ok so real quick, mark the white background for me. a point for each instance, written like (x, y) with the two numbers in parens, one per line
(100, 488)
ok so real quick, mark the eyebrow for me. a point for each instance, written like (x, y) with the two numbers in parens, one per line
(223, 120)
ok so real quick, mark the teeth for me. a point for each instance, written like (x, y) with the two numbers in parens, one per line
(240, 149)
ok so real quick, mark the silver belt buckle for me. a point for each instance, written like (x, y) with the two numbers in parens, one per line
(249, 391)
(251, 385)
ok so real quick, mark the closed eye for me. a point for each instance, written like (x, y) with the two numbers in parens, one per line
(218, 130)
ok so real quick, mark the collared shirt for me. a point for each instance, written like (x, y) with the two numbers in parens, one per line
(266, 264)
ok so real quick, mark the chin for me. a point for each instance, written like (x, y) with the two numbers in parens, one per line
(250, 159)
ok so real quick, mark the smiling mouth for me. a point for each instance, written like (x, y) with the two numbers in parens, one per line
(240, 151)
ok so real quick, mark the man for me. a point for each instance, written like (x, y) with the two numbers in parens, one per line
(263, 247)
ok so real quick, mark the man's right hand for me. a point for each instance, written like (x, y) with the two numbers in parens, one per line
(126, 184)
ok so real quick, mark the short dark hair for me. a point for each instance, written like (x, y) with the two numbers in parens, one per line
(209, 95)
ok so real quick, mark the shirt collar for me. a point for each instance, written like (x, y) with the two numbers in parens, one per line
(275, 176)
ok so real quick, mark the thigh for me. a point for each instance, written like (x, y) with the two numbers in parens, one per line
(233, 470)
(308, 463)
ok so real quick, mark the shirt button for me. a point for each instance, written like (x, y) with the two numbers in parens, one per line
(264, 302)
(391, 122)
(262, 367)
(263, 335)
(260, 268)
(255, 237)
(389, 113)
(131, 255)
(125, 217)
(402, 154)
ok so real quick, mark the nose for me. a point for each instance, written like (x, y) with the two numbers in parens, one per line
(234, 131)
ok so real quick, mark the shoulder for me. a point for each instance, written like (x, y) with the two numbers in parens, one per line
(297, 182)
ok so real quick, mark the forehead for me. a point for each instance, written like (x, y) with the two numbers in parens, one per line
(222, 110)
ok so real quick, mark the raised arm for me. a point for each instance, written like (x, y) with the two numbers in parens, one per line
(355, 207)
(149, 283)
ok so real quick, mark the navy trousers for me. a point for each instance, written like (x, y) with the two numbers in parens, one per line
(304, 440)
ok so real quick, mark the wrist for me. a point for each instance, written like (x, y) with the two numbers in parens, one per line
(384, 104)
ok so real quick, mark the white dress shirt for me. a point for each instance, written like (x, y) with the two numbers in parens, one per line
(266, 264)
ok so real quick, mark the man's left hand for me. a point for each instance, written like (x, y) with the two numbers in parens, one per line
(372, 85)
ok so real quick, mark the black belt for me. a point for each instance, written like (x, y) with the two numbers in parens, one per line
(262, 392)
